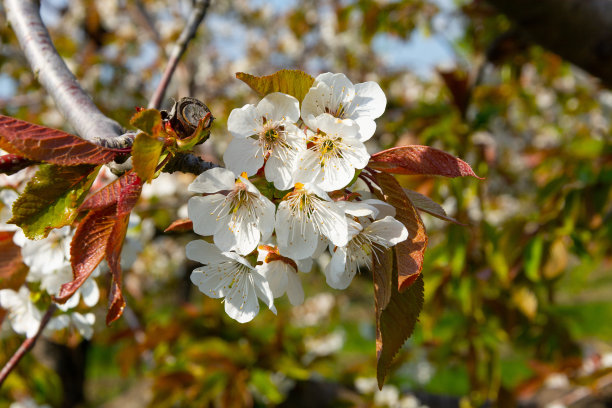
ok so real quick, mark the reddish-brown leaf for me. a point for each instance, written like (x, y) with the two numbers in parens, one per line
(12, 163)
(12, 269)
(113, 257)
(395, 325)
(425, 160)
(182, 225)
(382, 271)
(127, 186)
(458, 83)
(429, 206)
(129, 194)
(409, 253)
(41, 143)
(88, 247)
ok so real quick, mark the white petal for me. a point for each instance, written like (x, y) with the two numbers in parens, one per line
(243, 155)
(308, 167)
(275, 273)
(314, 103)
(204, 212)
(90, 292)
(262, 288)
(335, 174)
(266, 217)
(388, 231)
(295, 292)
(358, 208)
(343, 90)
(203, 252)
(213, 180)
(340, 127)
(279, 106)
(244, 122)
(367, 127)
(336, 272)
(370, 100)
(297, 238)
(84, 324)
(241, 303)
(71, 303)
(332, 223)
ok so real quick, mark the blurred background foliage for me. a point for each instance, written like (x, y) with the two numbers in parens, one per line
(517, 305)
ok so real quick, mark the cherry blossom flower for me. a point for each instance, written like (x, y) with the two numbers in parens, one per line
(336, 95)
(303, 217)
(238, 215)
(334, 152)
(48, 254)
(23, 315)
(52, 281)
(266, 131)
(366, 235)
(7, 198)
(282, 273)
(230, 276)
(82, 322)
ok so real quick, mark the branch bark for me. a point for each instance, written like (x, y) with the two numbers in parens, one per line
(197, 16)
(26, 345)
(579, 31)
(51, 70)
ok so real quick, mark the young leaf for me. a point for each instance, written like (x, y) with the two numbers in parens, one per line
(111, 194)
(395, 325)
(409, 253)
(423, 160)
(182, 225)
(148, 120)
(88, 247)
(50, 200)
(12, 270)
(145, 155)
(429, 206)
(200, 135)
(290, 81)
(113, 257)
(41, 143)
(12, 163)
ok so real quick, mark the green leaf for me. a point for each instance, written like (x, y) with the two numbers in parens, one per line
(395, 324)
(145, 155)
(290, 81)
(533, 258)
(149, 121)
(50, 200)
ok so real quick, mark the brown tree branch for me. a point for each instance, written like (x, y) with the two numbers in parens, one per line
(197, 16)
(188, 163)
(26, 345)
(579, 31)
(51, 70)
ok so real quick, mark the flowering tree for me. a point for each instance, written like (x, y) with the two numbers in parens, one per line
(302, 181)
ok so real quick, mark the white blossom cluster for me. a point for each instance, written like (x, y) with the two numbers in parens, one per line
(48, 262)
(284, 197)
(49, 269)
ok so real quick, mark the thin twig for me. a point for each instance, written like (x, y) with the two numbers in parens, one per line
(197, 16)
(188, 163)
(51, 70)
(26, 345)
